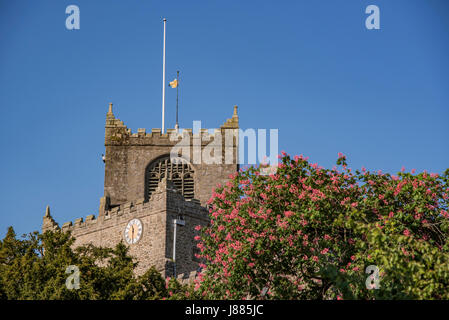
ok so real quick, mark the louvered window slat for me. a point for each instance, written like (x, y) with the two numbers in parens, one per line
(179, 171)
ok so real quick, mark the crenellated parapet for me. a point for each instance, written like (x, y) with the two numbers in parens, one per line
(118, 134)
(166, 197)
(80, 223)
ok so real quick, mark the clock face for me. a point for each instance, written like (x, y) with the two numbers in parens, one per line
(133, 231)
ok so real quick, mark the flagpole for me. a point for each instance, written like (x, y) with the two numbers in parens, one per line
(177, 86)
(163, 83)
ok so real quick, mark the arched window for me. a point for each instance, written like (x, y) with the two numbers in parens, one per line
(178, 170)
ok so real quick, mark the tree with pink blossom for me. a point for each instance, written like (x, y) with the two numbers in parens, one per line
(307, 232)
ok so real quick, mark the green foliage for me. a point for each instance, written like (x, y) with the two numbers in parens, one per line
(34, 268)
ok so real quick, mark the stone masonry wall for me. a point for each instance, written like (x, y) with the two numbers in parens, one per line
(155, 247)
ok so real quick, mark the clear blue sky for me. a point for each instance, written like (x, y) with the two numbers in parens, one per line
(309, 68)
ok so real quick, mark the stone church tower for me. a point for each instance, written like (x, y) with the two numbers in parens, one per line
(146, 189)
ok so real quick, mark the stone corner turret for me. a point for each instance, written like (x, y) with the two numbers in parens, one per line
(49, 224)
(232, 123)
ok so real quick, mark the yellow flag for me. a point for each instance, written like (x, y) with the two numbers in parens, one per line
(174, 83)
